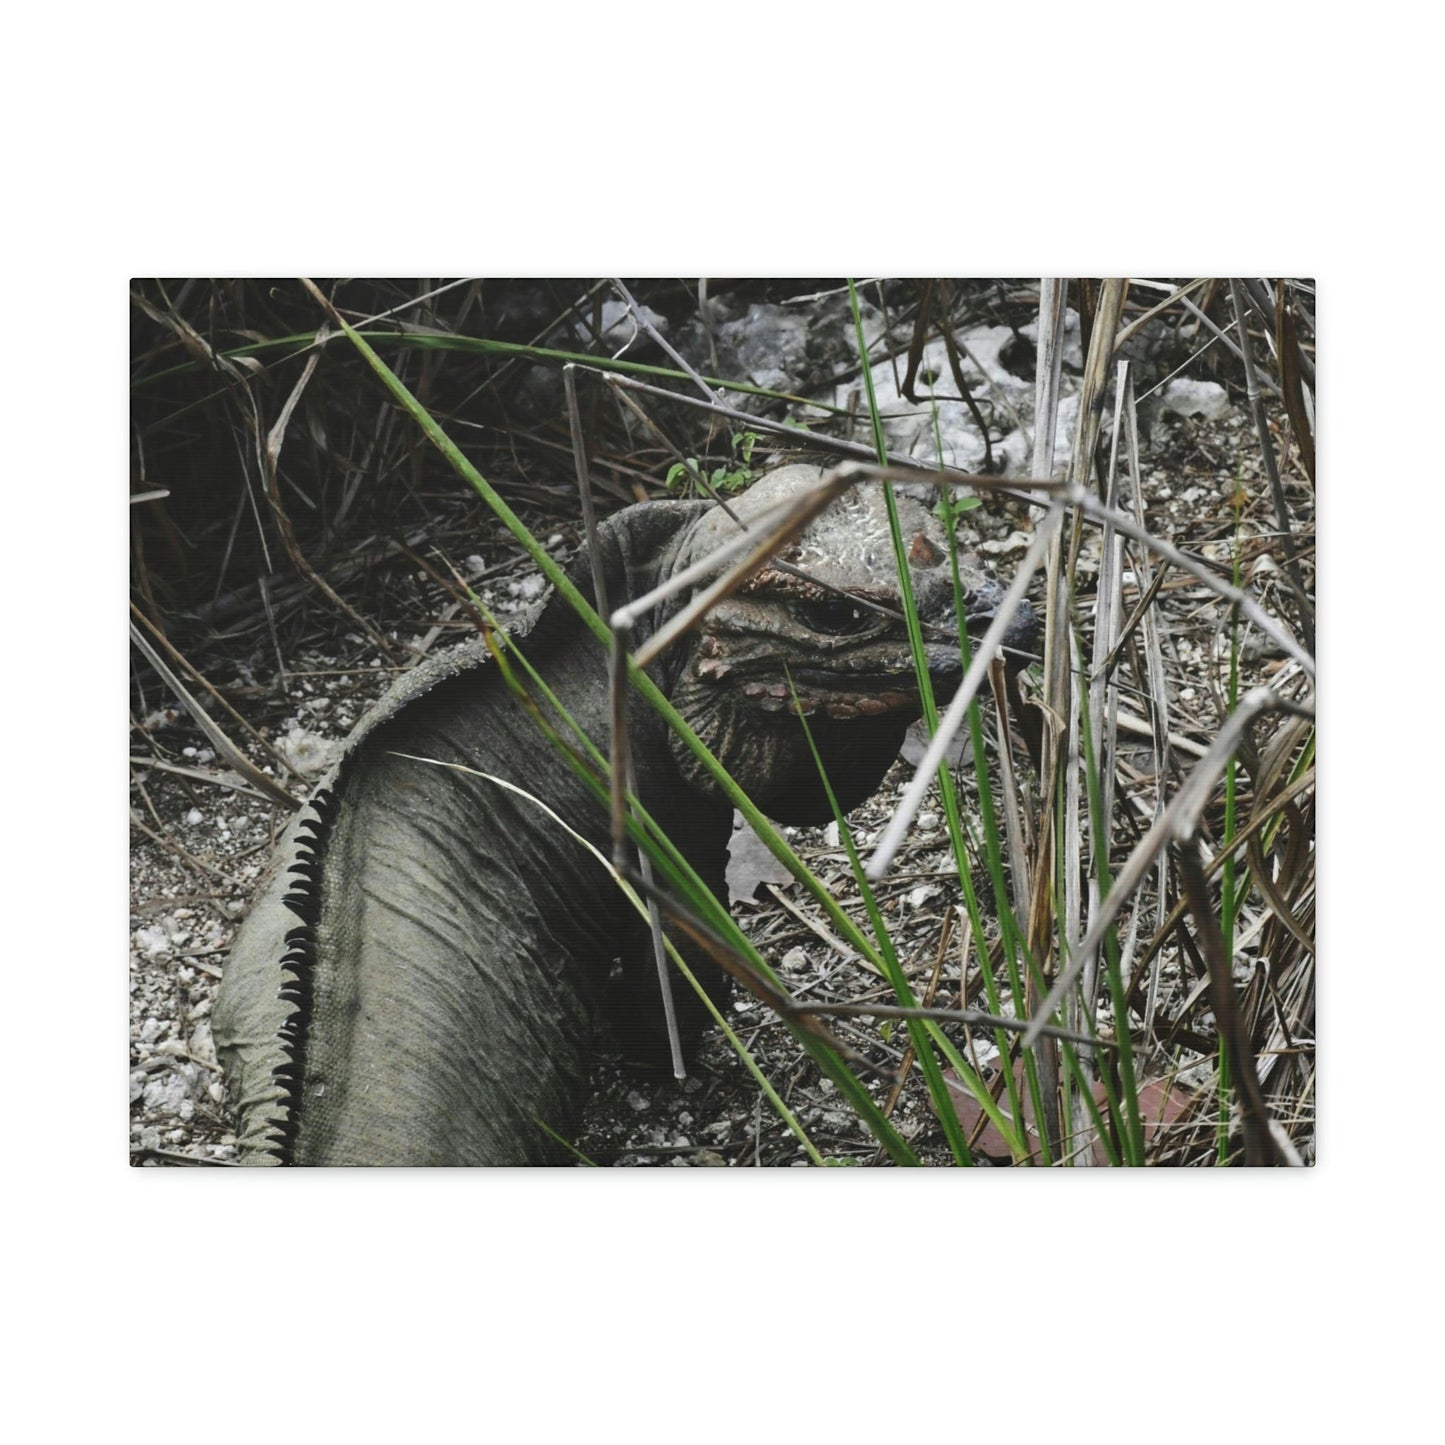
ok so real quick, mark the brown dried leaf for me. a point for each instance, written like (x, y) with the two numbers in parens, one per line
(1162, 1102)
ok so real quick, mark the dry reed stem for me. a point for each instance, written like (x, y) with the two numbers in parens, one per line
(1177, 824)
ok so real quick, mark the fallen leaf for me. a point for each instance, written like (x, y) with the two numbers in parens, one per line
(750, 864)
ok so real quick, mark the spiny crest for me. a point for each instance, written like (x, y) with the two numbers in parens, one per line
(298, 974)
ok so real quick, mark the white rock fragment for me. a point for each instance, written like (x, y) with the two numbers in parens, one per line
(202, 1045)
(620, 327)
(770, 343)
(163, 1092)
(1015, 542)
(528, 588)
(1017, 451)
(1073, 344)
(1194, 398)
(151, 942)
(307, 754)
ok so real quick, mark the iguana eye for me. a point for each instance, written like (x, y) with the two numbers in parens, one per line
(835, 616)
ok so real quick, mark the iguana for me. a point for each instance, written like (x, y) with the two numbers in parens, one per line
(418, 979)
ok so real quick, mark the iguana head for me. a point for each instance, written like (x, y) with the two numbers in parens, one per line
(819, 631)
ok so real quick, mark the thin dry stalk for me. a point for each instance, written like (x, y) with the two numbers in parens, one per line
(927, 292)
(1178, 823)
(1245, 601)
(640, 316)
(1263, 817)
(1259, 1139)
(207, 724)
(1271, 470)
(1142, 320)
(1157, 691)
(232, 373)
(1061, 711)
(1295, 378)
(1016, 828)
(891, 839)
(621, 760)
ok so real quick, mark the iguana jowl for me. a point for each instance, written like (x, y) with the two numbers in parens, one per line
(418, 979)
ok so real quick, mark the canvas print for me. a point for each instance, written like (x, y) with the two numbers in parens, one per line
(734, 723)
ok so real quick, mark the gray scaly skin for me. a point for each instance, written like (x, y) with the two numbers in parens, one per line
(418, 979)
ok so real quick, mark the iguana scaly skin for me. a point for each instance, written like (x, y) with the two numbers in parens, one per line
(418, 979)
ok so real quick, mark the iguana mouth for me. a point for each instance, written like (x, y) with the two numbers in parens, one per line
(838, 695)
